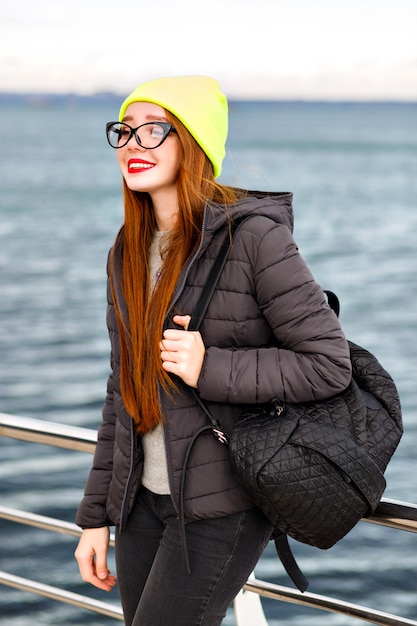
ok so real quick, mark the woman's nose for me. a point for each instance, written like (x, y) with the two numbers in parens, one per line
(133, 143)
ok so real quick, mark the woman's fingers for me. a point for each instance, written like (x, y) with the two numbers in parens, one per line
(182, 352)
(182, 320)
(91, 555)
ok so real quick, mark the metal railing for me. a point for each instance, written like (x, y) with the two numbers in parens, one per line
(390, 513)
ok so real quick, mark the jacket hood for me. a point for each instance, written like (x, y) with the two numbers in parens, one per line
(275, 205)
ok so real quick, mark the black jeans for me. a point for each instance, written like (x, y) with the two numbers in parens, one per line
(154, 587)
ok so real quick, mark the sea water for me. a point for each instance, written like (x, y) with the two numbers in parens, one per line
(353, 171)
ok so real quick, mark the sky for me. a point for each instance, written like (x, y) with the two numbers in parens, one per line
(261, 49)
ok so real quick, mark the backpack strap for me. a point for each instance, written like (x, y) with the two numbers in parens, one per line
(287, 559)
(215, 273)
(333, 301)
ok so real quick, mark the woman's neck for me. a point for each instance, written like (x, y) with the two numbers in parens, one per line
(165, 206)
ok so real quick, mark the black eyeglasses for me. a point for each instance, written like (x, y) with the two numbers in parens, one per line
(152, 134)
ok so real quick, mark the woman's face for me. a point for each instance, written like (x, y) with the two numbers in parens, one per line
(153, 171)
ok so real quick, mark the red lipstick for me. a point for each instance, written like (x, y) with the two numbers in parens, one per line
(135, 166)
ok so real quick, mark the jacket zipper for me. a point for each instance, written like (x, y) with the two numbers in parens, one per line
(125, 502)
(124, 505)
(180, 512)
(190, 264)
(171, 306)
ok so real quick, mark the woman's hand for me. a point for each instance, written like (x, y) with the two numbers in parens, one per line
(91, 555)
(182, 351)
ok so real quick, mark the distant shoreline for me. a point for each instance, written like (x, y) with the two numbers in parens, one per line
(45, 99)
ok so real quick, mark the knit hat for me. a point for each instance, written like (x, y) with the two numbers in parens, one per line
(198, 102)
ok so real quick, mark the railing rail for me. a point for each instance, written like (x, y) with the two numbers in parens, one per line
(390, 513)
(61, 595)
(48, 433)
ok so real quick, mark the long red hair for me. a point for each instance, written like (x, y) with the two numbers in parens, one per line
(140, 362)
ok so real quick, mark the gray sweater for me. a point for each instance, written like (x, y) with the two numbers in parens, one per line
(155, 469)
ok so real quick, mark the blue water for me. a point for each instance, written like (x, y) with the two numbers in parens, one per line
(353, 171)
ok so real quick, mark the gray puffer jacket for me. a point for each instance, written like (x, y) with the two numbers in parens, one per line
(268, 333)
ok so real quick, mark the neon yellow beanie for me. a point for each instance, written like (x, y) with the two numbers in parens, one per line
(198, 102)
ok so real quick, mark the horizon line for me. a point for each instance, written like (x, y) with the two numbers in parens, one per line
(43, 97)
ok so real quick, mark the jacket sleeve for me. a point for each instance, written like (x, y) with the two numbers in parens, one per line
(309, 356)
(92, 510)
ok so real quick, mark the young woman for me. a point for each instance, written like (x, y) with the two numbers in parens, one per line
(268, 332)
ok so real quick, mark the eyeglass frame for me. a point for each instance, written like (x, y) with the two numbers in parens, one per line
(167, 126)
